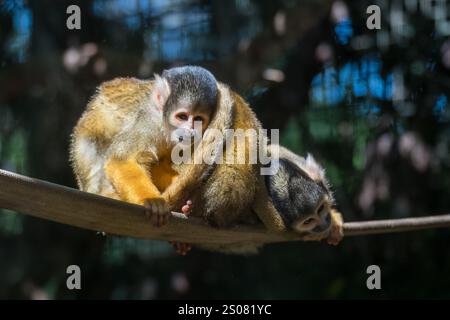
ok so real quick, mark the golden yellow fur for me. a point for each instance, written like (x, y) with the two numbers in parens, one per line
(109, 160)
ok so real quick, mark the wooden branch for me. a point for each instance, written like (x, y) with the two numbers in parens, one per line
(396, 225)
(65, 205)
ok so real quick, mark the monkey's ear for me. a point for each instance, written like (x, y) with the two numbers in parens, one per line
(313, 168)
(160, 92)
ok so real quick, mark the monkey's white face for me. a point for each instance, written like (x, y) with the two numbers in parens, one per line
(186, 126)
(317, 222)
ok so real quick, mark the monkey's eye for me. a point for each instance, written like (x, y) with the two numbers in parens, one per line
(182, 116)
(308, 221)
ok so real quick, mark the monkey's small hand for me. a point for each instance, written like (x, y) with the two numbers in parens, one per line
(183, 248)
(336, 230)
(157, 210)
(187, 208)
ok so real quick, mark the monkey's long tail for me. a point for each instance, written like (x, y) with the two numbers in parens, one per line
(61, 204)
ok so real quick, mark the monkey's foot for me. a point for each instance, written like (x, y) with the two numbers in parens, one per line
(183, 248)
(157, 210)
(337, 231)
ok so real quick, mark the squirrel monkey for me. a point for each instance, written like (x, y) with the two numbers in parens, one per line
(296, 198)
(121, 146)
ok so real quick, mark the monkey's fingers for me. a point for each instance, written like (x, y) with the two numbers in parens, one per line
(157, 210)
(164, 214)
(154, 213)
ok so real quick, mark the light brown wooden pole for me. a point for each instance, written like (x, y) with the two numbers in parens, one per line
(69, 206)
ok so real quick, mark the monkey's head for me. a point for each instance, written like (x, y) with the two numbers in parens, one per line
(301, 195)
(187, 97)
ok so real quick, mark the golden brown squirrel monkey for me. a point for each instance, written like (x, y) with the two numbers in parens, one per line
(121, 146)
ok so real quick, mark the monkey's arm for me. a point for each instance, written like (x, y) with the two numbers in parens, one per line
(133, 184)
(265, 210)
(131, 180)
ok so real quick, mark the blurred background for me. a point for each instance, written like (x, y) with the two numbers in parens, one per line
(371, 105)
